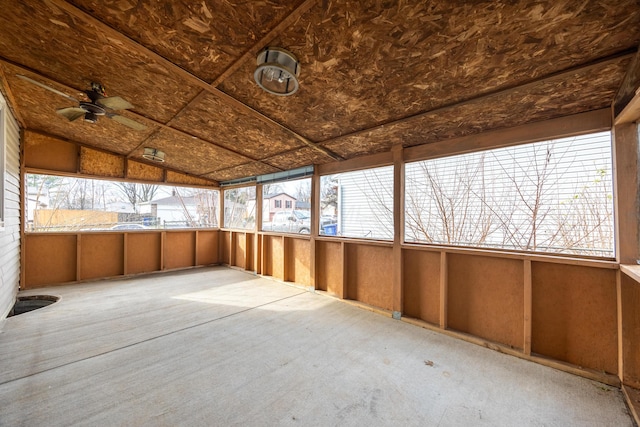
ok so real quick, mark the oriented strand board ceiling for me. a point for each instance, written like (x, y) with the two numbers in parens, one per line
(374, 73)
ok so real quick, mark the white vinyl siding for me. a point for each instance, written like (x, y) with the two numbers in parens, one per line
(365, 203)
(10, 234)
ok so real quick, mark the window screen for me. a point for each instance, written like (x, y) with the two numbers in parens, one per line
(552, 196)
(358, 204)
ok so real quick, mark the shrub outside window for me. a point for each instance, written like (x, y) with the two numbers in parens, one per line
(240, 208)
(552, 196)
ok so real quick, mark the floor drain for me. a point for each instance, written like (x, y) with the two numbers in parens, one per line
(30, 303)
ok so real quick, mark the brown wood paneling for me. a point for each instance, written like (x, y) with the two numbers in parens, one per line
(486, 298)
(179, 249)
(144, 172)
(46, 152)
(249, 252)
(209, 118)
(631, 331)
(188, 154)
(208, 247)
(298, 261)
(180, 178)
(421, 285)
(329, 267)
(267, 269)
(574, 315)
(99, 163)
(143, 252)
(101, 255)
(370, 274)
(225, 245)
(184, 31)
(277, 257)
(223, 173)
(49, 259)
(240, 253)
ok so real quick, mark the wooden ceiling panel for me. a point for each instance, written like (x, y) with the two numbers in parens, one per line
(189, 154)
(365, 63)
(203, 37)
(214, 120)
(38, 108)
(298, 158)
(580, 92)
(241, 171)
(56, 44)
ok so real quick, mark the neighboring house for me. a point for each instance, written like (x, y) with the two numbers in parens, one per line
(278, 202)
(365, 204)
(172, 210)
(120, 207)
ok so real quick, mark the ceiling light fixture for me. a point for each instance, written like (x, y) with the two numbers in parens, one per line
(153, 154)
(277, 71)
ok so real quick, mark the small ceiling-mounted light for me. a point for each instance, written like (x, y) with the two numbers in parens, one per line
(153, 154)
(277, 71)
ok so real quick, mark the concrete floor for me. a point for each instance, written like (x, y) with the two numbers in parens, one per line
(218, 346)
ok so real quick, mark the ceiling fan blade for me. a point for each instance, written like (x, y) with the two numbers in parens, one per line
(44, 86)
(71, 113)
(127, 121)
(114, 103)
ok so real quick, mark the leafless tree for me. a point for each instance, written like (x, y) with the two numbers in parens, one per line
(137, 193)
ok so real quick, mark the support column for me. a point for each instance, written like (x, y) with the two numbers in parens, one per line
(528, 306)
(257, 247)
(625, 161)
(398, 228)
(315, 227)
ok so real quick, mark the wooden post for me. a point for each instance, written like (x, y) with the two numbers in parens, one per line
(163, 238)
(398, 228)
(620, 325)
(195, 249)
(315, 227)
(78, 256)
(528, 308)
(258, 242)
(285, 261)
(443, 289)
(232, 247)
(125, 254)
(625, 161)
(23, 213)
(342, 290)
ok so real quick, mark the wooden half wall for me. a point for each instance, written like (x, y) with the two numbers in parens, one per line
(554, 310)
(60, 258)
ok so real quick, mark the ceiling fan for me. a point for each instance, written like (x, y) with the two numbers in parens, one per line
(99, 105)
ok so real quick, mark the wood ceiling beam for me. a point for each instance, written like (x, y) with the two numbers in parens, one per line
(11, 99)
(611, 59)
(191, 78)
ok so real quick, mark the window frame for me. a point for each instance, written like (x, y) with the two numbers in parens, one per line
(549, 140)
(3, 161)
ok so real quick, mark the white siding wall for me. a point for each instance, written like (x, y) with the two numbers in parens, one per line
(365, 203)
(10, 236)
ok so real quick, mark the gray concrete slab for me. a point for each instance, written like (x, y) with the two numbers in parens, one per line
(222, 347)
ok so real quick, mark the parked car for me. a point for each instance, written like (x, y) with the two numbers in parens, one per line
(289, 222)
(126, 226)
